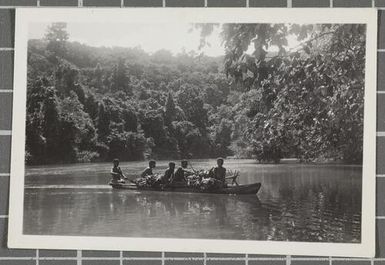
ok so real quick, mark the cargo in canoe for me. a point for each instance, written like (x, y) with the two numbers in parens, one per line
(230, 189)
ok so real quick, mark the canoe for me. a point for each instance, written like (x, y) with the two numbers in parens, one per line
(231, 189)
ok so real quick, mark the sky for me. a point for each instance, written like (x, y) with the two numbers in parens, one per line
(150, 37)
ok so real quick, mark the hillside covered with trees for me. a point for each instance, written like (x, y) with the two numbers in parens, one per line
(88, 104)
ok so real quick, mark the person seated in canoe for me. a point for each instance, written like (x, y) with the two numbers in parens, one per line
(148, 170)
(181, 174)
(218, 173)
(168, 174)
(116, 172)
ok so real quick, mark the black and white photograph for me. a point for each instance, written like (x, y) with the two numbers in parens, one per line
(221, 130)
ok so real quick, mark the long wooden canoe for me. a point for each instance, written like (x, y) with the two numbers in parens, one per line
(231, 189)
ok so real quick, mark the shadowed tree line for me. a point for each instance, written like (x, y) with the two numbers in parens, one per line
(94, 104)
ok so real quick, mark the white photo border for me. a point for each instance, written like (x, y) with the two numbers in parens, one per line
(24, 16)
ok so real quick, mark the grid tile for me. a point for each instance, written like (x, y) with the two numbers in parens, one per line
(267, 262)
(380, 155)
(351, 262)
(266, 256)
(380, 201)
(306, 262)
(6, 69)
(381, 71)
(352, 3)
(224, 255)
(381, 112)
(310, 3)
(57, 262)
(97, 253)
(143, 3)
(185, 3)
(57, 253)
(18, 2)
(17, 262)
(268, 3)
(7, 25)
(4, 187)
(183, 254)
(5, 111)
(142, 254)
(5, 151)
(58, 2)
(101, 3)
(380, 239)
(226, 3)
(381, 31)
(142, 262)
(184, 262)
(225, 262)
(100, 262)
(380, 3)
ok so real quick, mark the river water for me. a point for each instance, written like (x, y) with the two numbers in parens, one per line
(316, 203)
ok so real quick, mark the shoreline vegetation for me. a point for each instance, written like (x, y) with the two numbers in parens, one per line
(93, 104)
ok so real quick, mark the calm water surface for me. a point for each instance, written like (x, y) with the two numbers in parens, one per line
(320, 203)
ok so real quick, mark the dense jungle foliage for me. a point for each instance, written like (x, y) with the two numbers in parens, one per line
(96, 103)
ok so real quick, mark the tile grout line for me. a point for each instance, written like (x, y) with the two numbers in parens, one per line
(288, 260)
(78, 257)
(5, 132)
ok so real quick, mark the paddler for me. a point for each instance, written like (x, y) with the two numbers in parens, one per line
(168, 174)
(181, 174)
(219, 172)
(116, 172)
(148, 170)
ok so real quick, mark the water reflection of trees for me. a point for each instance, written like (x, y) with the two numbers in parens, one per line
(313, 214)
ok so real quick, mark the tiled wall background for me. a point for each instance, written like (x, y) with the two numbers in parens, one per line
(79, 257)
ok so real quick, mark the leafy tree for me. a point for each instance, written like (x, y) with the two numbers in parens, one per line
(57, 37)
(119, 79)
(170, 110)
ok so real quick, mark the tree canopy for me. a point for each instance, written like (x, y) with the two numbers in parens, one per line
(95, 103)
